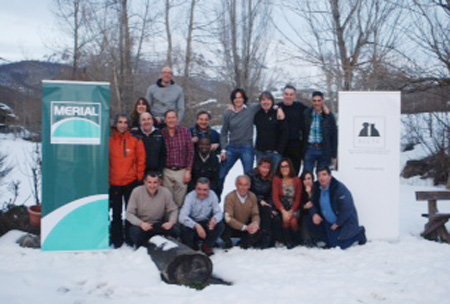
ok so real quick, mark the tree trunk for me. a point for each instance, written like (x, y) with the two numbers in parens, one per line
(188, 58)
(178, 263)
(169, 35)
(76, 27)
(234, 44)
(125, 73)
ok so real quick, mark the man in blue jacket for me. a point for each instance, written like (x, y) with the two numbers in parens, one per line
(334, 214)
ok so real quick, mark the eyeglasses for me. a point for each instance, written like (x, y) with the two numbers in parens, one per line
(284, 166)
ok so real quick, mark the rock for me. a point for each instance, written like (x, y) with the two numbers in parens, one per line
(436, 167)
(29, 241)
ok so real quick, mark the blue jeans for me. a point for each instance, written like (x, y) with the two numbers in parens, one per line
(245, 153)
(331, 237)
(315, 154)
(275, 157)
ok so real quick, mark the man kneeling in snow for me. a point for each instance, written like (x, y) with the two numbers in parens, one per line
(334, 214)
(201, 217)
(149, 205)
(242, 215)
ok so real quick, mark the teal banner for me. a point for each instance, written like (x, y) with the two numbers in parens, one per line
(75, 166)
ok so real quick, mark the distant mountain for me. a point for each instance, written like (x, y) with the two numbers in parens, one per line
(26, 76)
(21, 88)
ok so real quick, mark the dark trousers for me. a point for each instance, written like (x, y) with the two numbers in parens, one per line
(140, 237)
(117, 196)
(271, 226)
(307, 236)
(265, 214)
(247, 240)
(190, 237)
(293, 151)
(331, 237)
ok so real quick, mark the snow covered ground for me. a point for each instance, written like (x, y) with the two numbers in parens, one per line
(19, 154)
(409, 270)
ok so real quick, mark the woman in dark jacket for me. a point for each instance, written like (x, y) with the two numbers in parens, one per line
(261, 185)
(141, 106)
(305, 216)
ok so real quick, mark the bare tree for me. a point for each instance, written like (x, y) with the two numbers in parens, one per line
(168, 33)
(188, 57)
(125, 74)
(73, 17)
(431, 21)
(341, 37)
(146, 20)
(120, 30)
(243, 30)
(432, 132)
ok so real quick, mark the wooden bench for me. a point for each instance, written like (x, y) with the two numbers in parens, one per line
(435, 228)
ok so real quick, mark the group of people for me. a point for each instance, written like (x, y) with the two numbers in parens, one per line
(170, 178)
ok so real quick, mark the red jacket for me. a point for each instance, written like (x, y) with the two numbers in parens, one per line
(127, 159)
(277, 193)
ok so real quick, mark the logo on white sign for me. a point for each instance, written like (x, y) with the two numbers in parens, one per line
(369, 132)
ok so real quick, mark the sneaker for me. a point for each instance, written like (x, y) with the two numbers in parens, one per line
(362, 236)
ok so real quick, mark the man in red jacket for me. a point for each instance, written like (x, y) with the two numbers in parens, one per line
(126, 170)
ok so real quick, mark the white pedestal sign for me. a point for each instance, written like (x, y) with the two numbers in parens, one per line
(368, 156)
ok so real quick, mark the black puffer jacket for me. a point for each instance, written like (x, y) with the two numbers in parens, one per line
(262, 188)
(271, 134)
(155, 148)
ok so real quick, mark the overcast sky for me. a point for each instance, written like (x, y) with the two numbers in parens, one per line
(26, 27)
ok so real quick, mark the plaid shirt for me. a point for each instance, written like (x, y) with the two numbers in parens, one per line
(315, 135)
(180, 150)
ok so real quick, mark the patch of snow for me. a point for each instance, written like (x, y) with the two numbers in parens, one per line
(163, 243)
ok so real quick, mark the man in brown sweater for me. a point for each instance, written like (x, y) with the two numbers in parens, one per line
(149, 205)
(241, 215)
